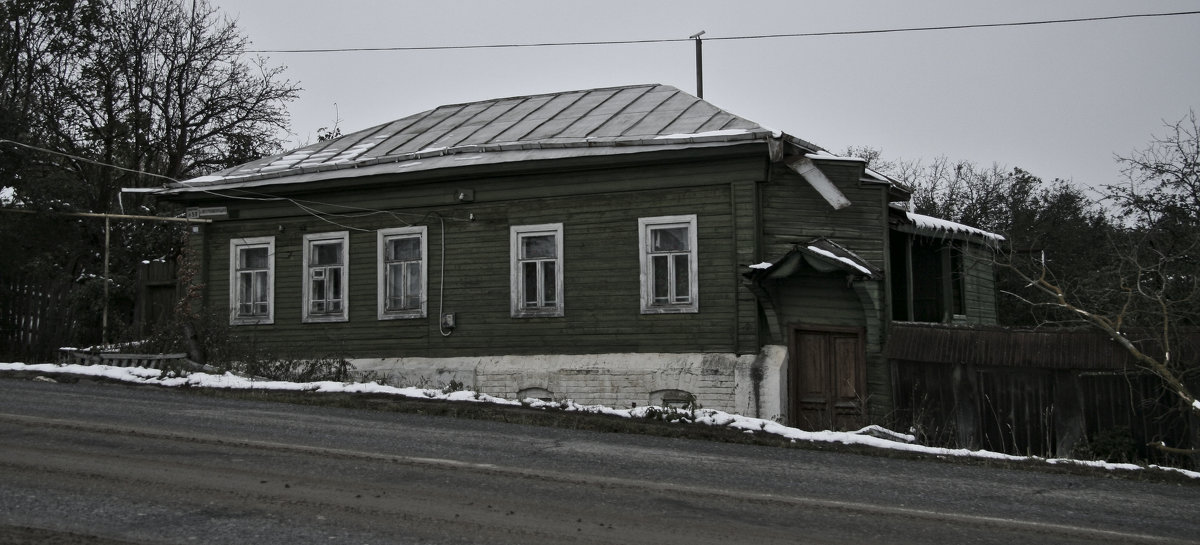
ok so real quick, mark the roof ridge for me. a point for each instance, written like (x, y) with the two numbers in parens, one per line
(558, 93)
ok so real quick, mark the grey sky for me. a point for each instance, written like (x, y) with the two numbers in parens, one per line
(1057, 100)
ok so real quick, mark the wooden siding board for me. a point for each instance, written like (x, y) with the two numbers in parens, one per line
(601, 292)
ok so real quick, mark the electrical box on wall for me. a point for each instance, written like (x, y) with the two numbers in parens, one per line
(448, 320)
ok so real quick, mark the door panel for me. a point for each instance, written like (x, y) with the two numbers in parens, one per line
(827, 382)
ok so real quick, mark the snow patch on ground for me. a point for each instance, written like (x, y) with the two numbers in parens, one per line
(871, 436)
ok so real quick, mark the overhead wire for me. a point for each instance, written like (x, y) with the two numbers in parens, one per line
(724, 38)
(248, 195)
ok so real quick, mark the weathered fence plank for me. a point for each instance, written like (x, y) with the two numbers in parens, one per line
(1043, 393)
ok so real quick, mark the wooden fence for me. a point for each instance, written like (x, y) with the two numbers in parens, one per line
(34, 321)
(1024, 393)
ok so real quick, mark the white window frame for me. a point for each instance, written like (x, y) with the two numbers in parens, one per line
(251, 243)
(383, 236)
(645, 226)
(517, 285)
(306, 310)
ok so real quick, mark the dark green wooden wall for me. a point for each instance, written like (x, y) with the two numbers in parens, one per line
(794, 213)
(599, 210)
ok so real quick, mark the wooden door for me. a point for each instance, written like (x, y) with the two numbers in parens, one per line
(827, 378)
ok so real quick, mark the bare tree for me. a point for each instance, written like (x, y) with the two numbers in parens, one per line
(123, 93)
(1148, 297)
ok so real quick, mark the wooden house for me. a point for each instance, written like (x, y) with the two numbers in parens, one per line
(625, 245)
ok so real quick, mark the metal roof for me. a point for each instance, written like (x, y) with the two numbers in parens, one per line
(614, 120)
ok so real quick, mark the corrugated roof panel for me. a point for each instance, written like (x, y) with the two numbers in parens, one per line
(447, 132)
(356, 148)
(483, 127)
(585, 102)
(667, 111)
(615, 123)
(586, 122)
(621, 124)
(720, 121)
(693, 117)
(400, 142)
(532, 113)
(509, 112)
(534, 126)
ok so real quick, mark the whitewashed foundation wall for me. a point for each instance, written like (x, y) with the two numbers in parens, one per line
(751, 385)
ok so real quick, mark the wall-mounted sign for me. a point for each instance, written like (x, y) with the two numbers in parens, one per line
(207, 212)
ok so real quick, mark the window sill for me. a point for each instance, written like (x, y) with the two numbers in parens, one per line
(548, 313)
(251, 321)
(671, 310)
(402, 316)
(324, 319)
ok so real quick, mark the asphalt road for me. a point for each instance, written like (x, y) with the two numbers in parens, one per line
(108, 464)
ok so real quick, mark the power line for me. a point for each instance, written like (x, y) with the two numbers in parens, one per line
(86, 160)
(747, 37)
(228, 195)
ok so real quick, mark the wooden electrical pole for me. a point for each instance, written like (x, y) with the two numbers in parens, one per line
(107, 238)
(699, 64)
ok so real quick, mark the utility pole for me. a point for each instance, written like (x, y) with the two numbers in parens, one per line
(699, 64)
(107, 239)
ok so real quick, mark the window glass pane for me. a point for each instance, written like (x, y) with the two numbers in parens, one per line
(328, 253)
(529, 272)
(662, 279)
(537, 247)
(335, 282)
(252, 258)
(682, 291)
(394, 298)
(260, 286)
(318, 288)
(245, 292)
(404, 249)
(413, 293)
(548, 283)
(671, 239)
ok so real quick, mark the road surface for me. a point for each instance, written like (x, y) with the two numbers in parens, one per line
(97, 463)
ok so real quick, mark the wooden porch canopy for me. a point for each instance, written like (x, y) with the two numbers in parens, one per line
(822, 255)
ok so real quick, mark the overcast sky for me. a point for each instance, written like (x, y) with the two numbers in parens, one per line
(1057, 100)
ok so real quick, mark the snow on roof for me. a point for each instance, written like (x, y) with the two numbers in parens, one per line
(725, 132)
(825, 155)
(846, 260)
(930, 223)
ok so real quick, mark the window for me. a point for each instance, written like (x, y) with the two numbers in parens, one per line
(251, 281)
(325, 277)
(668, 259)
(402, 273)
(537, 275)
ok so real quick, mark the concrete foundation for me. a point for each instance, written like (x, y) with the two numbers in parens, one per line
(750, 385)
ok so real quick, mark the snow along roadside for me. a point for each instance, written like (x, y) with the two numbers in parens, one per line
(872, 436)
